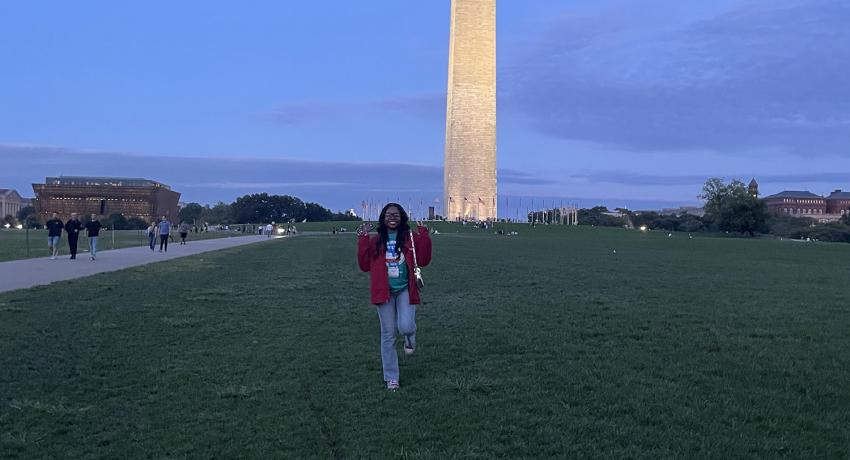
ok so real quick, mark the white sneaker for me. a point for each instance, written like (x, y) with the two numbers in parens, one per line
(392, 385)
(408, 350)
(52, 257)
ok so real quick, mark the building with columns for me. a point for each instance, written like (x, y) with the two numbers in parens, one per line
(800, 203)
(10, 203)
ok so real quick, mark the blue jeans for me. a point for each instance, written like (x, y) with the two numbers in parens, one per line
(93, 246)
(399, 314)
(152, 240)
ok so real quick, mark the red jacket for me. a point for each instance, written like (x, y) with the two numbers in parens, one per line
(374, 261)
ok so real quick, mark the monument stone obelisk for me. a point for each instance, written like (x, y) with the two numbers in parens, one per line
(470, 163)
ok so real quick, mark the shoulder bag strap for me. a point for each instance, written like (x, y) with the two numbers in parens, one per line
(413, 248)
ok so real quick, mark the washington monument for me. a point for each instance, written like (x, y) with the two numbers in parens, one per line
(470, 165)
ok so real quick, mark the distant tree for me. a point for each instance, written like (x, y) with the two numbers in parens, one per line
(218, 214)
(314, 212)
(789, 227)
(29, 217)
(597, 216)
(345, 216)
(265, 208)
(136, 223)
(25, 212)
(190, 213)
(690, 223)
(115, 221)
(846, 219)
(732, 208)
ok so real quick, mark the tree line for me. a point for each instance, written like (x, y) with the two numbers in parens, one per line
(258, 208)
(729, 208)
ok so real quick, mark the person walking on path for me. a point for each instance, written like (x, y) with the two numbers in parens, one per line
(184, 230)
(389, 259)
(54, 235)
(152, 229)
(73, 227)
(164, 230)
(93, 229)
(269, 229)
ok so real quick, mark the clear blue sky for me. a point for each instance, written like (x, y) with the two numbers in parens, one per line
(617, 101)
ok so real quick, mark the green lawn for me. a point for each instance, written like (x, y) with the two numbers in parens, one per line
(13, 243)
(544, 345)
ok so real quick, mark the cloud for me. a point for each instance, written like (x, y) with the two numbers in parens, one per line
(626, 178)
(429, 106)
(424, 106)
(267, 185)
(208, 180)
(773, 74)
(511, 176)
(301, 112)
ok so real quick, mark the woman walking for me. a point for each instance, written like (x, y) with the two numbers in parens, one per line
(152, 235)
(390, 260)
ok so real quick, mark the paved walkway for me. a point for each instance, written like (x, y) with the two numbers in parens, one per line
(26, 273)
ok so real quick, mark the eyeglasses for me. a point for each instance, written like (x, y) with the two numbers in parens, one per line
(393, 215)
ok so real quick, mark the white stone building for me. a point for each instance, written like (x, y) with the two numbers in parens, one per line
(10, 203)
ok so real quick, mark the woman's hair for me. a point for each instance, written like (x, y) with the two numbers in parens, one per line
(383, 231)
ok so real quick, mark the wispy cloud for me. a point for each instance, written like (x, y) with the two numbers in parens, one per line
(512, 176)
(625, 178)
(267, 185)
(771, 74)
(336, 184)
(429, 106)
(302, 112)
(341, 185)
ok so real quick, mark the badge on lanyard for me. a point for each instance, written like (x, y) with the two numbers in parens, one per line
(393, 271)
(392, 261)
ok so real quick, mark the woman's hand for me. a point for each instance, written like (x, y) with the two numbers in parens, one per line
(420, 224)
(364, 229)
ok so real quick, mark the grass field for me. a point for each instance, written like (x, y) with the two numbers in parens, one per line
(544, 345)
(13, 243)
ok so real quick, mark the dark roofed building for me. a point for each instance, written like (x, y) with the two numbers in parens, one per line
(131, 197)
(838, 202)
(797, 203)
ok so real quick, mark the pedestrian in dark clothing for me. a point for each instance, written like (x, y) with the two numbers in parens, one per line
(73, 227)
(54, 234)
(184, 231)
(93, 228)
(164, 230)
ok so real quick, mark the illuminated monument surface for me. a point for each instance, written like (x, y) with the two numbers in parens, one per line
(470, 163)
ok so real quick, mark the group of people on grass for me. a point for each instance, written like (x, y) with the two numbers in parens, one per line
(73, 227)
